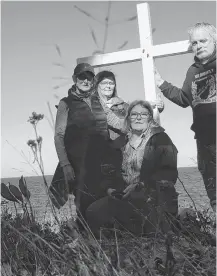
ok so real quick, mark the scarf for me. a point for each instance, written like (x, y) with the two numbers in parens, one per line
(113, 101)
(145, 135)
(80, 94)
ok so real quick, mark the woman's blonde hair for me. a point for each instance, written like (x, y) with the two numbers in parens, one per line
(142, 103)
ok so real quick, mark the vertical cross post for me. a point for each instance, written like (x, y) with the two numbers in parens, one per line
(145, 35)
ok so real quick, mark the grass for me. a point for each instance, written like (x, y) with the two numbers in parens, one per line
(29, 247)
(37, 249)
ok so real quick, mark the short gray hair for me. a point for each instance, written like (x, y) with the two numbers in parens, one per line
(205, 26)
(142, 103)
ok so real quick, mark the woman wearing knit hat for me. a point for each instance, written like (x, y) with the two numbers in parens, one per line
(107, 90)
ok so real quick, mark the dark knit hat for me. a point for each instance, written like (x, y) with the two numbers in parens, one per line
(83, 67)
(104, 75)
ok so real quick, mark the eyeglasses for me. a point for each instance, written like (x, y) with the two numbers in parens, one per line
(85, 76)
(104, 83)
(134, 115)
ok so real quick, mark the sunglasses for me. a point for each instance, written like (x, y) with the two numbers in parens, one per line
(85, 76)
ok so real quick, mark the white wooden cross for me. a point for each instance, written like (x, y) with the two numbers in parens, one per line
(146, 53)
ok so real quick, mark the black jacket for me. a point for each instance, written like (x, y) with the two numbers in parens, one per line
(85, 138)
(159, 161)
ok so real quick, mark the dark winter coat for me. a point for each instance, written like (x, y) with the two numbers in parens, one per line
(159, 163)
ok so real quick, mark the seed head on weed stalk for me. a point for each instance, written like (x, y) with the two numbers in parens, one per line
(36, 147)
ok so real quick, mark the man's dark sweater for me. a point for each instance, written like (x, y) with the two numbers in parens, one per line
(199, 92)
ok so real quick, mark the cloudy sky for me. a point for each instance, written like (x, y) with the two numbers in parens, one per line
(32, 68)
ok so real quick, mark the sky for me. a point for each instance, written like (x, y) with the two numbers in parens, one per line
(32, 68)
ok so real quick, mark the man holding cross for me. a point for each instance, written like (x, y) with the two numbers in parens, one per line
(199, 92)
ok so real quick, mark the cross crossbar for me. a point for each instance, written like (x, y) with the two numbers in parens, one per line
(133, 55)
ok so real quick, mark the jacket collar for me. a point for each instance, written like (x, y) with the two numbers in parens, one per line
(115, 101)
(122, 140)
(211, 59)
(74, 94)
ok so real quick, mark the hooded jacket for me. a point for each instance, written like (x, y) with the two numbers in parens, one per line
(199, 92)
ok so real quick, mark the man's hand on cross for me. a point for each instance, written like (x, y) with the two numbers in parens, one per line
(158, 79)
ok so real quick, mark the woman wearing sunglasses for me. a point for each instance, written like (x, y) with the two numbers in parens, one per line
(81, 136)
(140, 190)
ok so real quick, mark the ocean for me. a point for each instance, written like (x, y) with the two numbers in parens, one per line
(190, 177)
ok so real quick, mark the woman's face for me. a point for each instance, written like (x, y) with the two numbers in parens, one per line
(139, 118)
(84, 81)
(106, 87)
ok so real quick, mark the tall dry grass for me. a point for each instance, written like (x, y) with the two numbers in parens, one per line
(32, 248)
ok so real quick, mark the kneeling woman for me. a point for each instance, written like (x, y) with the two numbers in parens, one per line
(141, 192)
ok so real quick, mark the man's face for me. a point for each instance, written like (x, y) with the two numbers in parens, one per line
(84, 81)
(202, 45)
